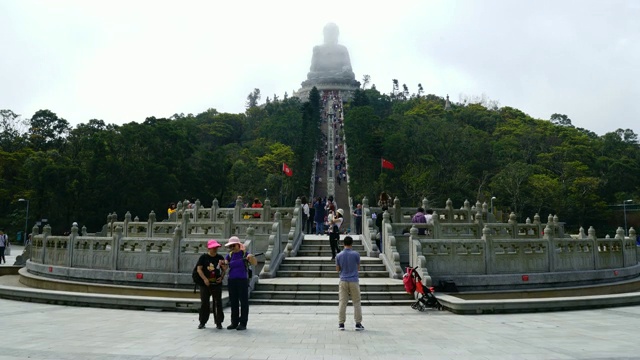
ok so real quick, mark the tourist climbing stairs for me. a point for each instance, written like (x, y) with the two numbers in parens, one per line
(310, 278)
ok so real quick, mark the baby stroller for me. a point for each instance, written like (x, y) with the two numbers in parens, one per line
(413, 283)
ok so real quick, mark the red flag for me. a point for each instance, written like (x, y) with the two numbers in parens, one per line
(287, 170)
(386, 164)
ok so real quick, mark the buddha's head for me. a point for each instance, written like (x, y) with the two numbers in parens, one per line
(331, 33)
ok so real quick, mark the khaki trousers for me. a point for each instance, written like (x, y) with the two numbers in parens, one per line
(349, 289)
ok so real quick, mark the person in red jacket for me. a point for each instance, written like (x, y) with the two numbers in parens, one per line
(256, 205)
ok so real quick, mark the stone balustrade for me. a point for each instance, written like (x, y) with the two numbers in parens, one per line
(464, 247)
(152, 253)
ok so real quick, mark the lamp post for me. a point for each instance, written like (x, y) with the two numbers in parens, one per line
(266, 195)
(492, 198)
(26, 222)
(624, 207)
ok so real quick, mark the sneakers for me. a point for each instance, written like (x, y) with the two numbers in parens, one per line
(341, 327)
(201, 326)
(232, 326)
(359, 327)
(241, 327)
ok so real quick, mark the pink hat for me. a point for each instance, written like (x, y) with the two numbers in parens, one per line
(232, 241)
(212, 244)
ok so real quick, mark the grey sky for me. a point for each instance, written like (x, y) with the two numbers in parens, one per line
(122, 61)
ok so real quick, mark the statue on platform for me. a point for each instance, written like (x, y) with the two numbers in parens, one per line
(330, 62)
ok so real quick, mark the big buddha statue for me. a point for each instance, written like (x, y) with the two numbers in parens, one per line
(331, 60)
(330, 65)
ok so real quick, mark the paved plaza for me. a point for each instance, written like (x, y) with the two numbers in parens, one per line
(39, 331)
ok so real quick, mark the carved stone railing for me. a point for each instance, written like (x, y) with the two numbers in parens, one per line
(495, 260)
(274, 254)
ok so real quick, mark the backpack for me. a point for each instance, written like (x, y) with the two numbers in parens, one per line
(197, 280)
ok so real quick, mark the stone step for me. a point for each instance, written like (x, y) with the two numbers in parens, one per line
(327, 266)
(323, 253)
(329, 274)
(305, 284)
(318, 247)
(328, 295)
(296, 302)
(323, 260)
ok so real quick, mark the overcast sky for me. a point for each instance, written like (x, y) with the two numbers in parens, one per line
(122, 61)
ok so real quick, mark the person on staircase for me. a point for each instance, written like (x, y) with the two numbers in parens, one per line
(334, 232)
(319, 215)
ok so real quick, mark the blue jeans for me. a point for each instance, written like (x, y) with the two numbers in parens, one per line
(319, 228)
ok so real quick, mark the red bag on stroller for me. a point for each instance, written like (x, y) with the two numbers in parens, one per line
(409, 281)
(426, 298)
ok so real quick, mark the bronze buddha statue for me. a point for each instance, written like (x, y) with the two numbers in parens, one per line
(330, 62)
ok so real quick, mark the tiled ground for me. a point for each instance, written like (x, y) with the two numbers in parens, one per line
(38, 331)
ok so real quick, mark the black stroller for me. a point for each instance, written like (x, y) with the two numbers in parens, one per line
(413, 283)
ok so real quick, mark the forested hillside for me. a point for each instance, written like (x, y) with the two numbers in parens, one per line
(474, 152)
(84, 173)
(469, 152)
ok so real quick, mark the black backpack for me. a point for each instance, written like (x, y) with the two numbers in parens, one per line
(196, 277)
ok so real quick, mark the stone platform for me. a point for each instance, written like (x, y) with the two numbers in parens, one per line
(44, 332)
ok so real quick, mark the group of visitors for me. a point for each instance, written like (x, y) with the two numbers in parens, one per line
(212, 267)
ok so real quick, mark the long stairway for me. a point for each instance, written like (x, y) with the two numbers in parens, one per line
(311, 278)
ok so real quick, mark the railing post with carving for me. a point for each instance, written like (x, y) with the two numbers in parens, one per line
(620, 237)
(72, 239)
(594, 239)
(196, 211)
(46, 233)
(266, 210)
(214, 210)
(152, 220)
(237, 210)
(228, 223)
(437, 230)
(425, 204)
(117, 238)
(176, 249)
(514, 225)
(127, 220)
(185, 222)
(548, 236)
(488, 250)
(397, 211)
(632, 244)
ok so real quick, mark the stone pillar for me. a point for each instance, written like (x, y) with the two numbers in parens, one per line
(117, 238)
(425, 204)
(127, 220)
(196, 209)
(228, 223)
(237, 210)
(176, 248)
(185, 223)
(488, 250)
(72, 239)
(150, 222)
(266, 212)
(214, 210)
(397, 211)
(298, 223)
(46, 231)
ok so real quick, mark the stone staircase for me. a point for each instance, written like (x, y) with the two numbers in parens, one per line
(311, 278)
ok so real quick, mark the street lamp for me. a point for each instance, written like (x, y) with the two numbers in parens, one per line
(26, 222)
(492, 198)
(624, 207)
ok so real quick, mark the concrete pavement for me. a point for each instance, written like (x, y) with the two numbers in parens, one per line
(40, 331)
